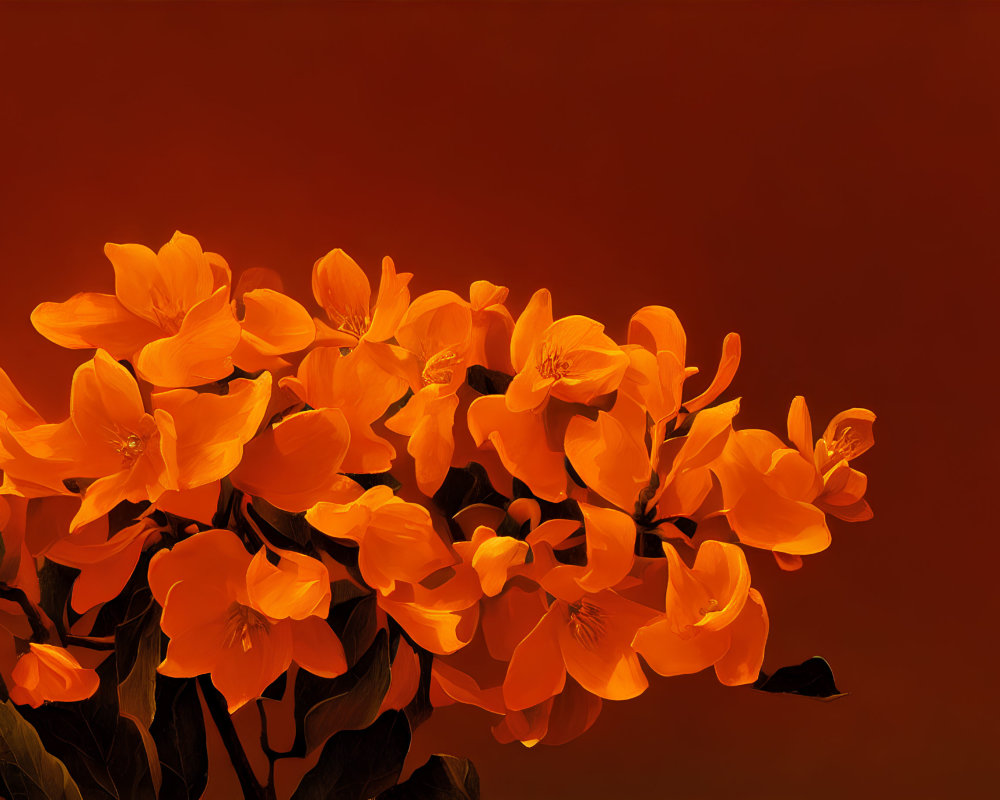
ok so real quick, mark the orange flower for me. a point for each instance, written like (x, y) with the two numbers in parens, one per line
(272, 324)
(341, 287)
(657, 369)
(712, 617)
(24, 474)
(105, 562)
(520, 440)
(359, 386)
(776, 495)
(396, 539)
(571, 359)
(295, 463)
(48, 672)
(555, 721)
(611, 456)
(218, 604)
(492, 326)
(587, 629)
(170, 314)
(848, 435)
(434, 338)
(189, 440)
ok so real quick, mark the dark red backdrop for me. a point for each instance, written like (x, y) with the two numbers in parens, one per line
(821, 177)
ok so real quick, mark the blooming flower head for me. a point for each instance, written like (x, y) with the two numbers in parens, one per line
(48, 672)
(570, 358)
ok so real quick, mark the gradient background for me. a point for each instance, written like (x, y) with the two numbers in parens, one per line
(821, 177)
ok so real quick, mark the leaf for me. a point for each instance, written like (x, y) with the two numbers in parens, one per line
(137, 690)
(103, 751)
(55, 582)
(325, 706)
(464, 486)
(440, 778)
(29, 772)
(419, 709)
(357, 765)
(371, 479)
(355, 624)
(282, 528)
(812, 678)
(487, 381)
(179, 732)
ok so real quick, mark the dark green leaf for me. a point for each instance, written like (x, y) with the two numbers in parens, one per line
(324, 706)
(440, 778)
(487, 381)
(55, 582)
(27, 770)
(369, 480)
(282, 528)
(464, 486)
(356, 624)
(812, 678)
(357, 765)
(137, 652)
(179, 732)
(419, 709)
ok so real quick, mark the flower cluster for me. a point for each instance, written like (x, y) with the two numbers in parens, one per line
(534, 513)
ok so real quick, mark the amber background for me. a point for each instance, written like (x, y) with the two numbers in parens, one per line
(821, 177)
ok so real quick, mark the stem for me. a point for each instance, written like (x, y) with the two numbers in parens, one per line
(39, 631)
(93, 642)
(272, 755)
(230, 738)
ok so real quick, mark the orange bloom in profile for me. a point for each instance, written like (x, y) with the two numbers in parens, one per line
(713, 618)
(657, 351)
(492, 326)
(342, 289)
(848, 435)
(242, 619)
(396, 540)
(571, 359)
(50, 673)
(170, 314)
(776, 495)
(23, 474)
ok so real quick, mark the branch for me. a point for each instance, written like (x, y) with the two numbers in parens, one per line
(39, 631)
(216, 703)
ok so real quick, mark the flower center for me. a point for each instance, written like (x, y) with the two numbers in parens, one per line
(439, 368)
(844, 446)
(354, 323)
(713, 605)
(586, 623)
(129, 446)
(246, 626)
(168, 311)
(552, 363)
